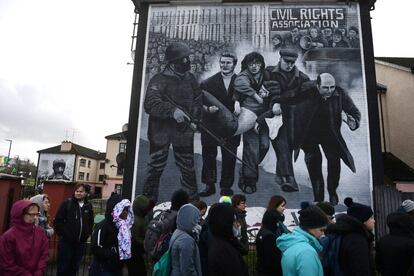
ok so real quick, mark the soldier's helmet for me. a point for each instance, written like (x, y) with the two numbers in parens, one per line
(176, 51)
(59, 163)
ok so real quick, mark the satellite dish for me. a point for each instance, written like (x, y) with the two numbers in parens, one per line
(125, 128)
(120, 160)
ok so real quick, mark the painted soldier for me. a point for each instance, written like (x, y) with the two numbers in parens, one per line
(320, 118)
(58, 170)
(172, 97)
(290, 79)
(219, 86)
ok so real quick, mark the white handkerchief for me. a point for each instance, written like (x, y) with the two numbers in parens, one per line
(274, 124)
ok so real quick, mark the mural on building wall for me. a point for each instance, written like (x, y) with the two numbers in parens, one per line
(255, 99)
(55, 167)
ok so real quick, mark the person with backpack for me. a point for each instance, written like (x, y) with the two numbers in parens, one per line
(352, 233)
(185, 256)
(161, 227)
(224, 249)
(141, 207)
(395, 251)
(300, 249)
(107, 246)
(268, 255)
(73, 224)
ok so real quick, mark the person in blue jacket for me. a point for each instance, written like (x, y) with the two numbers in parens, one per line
(185, 256)
(300, 248)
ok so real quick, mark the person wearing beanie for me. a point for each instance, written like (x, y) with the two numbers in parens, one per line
(395, 251)
(408, 207)
(355, 255)
(301, 248)
(173, 101)
(224, 257)
(225, 199)
(327, 208)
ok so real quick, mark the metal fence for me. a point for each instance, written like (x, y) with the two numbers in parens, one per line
(51, 270)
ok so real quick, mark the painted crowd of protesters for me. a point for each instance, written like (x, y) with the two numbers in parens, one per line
(200, 58)
(316, 37)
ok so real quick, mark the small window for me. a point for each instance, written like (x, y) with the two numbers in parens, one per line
(101, 177)
(89, 163)
(81, 176)
(82, 162)
(87, 176)
(102, 166)
(122, 147)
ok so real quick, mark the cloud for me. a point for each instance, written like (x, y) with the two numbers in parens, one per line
(31, 114)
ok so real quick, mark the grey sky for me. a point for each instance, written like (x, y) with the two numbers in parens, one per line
(64, 66)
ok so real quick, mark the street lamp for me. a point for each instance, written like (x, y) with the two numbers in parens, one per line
(8, 155)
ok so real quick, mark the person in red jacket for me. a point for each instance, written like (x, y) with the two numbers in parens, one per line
(24, 248)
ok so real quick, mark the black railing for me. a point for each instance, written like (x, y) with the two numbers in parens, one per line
(51, 270)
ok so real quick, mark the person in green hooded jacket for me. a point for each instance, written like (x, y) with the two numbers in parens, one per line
(301, 248)
(141, 206)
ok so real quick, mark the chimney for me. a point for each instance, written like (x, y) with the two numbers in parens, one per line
(66, 146)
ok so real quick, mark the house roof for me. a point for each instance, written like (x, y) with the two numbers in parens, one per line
(401, 61)
(116, 136)
(395, 169)
(77, 149)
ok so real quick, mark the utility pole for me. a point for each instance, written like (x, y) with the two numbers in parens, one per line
(8, 155)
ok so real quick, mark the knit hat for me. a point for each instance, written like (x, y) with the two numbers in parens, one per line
(327, 208)
(225, 199)
(357, 210)
(408, 205)
(312, 217)
(178, 199)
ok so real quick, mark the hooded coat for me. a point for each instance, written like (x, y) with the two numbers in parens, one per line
(104, 244)
(268, 254)
(395, 251)
(224, 257)
(185, 256)
(355, 251)
(300, 254)
(42, 219)
(24, 248)
(140, 208)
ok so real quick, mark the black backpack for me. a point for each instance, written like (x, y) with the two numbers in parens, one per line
(330, 261)
(159, 232)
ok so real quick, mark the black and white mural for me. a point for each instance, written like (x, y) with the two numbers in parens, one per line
(55, 167)
(255, 99)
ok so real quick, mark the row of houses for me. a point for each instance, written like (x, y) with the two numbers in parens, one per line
(70, 162)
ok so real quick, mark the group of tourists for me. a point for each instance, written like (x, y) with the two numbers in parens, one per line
(323, 243)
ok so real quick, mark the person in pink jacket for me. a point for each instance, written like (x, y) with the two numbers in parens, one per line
(24, 248)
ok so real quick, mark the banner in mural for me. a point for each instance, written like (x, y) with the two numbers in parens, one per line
(254, 99)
